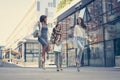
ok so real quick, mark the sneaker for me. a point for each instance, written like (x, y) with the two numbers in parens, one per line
(57, 69)
(61, 69)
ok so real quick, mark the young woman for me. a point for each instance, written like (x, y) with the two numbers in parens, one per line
(79, 34)
(56, 33)
(43, 38)
(58, 46)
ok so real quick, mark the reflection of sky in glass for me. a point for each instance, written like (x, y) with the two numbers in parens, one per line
(85, 15)
(81, 14)
(118, 0)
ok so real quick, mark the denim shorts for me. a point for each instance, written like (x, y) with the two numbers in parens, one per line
(43, 41)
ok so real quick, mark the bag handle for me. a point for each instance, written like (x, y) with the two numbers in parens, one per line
(39, 25)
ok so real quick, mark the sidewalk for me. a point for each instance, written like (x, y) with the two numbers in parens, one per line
(97, 68)
(86, 73)
(84, 68)
(7, 64)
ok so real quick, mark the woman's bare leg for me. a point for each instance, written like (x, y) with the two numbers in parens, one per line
(43, 56)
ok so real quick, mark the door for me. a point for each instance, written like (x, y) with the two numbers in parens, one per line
(110, 57)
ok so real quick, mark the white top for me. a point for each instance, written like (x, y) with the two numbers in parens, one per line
(58, 47)
(79, 32)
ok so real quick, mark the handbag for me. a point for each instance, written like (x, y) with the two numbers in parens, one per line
(58, 47)
(36, 31)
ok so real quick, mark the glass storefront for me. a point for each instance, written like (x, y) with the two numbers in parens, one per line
(102, 18)
(112, 31)
(96, 35)
(71, 57)
(104, 27)
(109, 49)
(32, 52)
(117, 49)
(97, 54)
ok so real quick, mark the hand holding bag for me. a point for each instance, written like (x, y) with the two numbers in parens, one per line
(37, 30)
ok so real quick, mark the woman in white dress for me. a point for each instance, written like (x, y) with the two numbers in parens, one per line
(79, 39)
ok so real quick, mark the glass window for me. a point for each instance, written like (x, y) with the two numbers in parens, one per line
(118, 29)
(71, 57)
(28, 51)
(112, 10)
(32, 52)
(109, 6)
(32, 47)
(64, 28)
(70, 26)
(38, 5)
(109, 32)
(109, 49)
(29, 46)
(95, 30)
(97, 54)
(82, 12)
(97, 6)
(96, 35)
(20, 49)
(36, 46)
(71, 20)
(77, 14)
(93, 13)
(112, 31)
(36, 51)
(118, 0)
(31, 57)
(117, 47)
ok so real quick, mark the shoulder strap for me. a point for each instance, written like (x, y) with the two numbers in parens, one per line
(39, 27)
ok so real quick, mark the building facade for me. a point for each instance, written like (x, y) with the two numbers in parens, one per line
(102, 18)
(21, 47)
(2, 48)
(23, 29)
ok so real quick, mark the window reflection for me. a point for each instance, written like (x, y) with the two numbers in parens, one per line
(112, 31)
(32, 50)
(96, 55)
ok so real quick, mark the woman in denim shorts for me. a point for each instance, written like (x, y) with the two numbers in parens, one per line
(43, 38)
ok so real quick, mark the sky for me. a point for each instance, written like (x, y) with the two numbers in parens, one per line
(11, 12)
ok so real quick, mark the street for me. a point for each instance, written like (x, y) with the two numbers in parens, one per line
(86, 73)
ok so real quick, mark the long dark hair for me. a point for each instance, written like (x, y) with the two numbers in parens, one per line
(82, 23)
(42, 18)
(58, 25)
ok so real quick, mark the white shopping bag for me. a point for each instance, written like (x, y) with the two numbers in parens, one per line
(58, 47)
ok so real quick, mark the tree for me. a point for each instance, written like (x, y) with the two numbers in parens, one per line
(63, 3)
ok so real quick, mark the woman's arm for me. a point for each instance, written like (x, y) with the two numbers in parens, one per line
(58, 32)
(75, 31)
